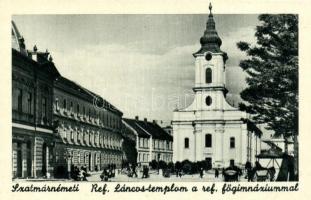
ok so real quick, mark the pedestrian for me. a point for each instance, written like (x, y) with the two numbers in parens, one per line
(104, 175)
(144, 172)
(249, 175)
(201, 172)
(134, 170)
(216, 173)
(82, 174)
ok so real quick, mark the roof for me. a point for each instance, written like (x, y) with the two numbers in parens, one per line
(95, 98)
(272, 145)
(48, 66)
(19, 51)
(134, 125)
(210, 41)
(144, 128)
(273, 152)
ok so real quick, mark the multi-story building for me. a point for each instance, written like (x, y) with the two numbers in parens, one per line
(152, 142)
(33, 75)
(88, 128)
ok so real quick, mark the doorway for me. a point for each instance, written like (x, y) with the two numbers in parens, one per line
(208, 161)
(19, 166)
(29, 160)
(90, 162)
(44, 159)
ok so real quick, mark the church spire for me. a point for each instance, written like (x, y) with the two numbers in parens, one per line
(210, 41)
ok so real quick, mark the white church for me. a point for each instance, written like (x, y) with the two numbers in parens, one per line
(210, 129)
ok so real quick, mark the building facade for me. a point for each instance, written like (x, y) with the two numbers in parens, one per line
(88, 129)
(152, 142)
(210, 129)
(33, 75)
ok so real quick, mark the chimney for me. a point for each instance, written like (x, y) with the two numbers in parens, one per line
(145, 120)
(154, 121)
(136, 118)
(34, 55)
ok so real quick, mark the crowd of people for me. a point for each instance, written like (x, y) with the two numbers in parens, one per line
(78, 174)
(133, 170)
(108, 172)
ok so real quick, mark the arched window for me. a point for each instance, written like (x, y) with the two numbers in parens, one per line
(65, 104)
(208, 140)
(208, 75)
(186, 143)
(232, 142)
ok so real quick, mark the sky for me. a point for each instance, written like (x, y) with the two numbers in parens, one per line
(142, 64)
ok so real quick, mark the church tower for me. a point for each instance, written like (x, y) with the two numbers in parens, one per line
(210, 129)
(210, 71)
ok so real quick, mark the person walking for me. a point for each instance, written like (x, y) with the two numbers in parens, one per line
(216, 173)
(134, 170)
(201, 172)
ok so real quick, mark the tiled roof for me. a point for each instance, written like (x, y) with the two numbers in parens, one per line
(150, 127)
(91, 95)
(133, 124)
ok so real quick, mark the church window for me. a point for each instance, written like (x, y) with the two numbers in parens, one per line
(208, 101)
(208, 75)
(232, 142)
(208, 140)
(208, 56)
(186, 143)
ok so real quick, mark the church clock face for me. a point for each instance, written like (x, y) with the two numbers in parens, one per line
(208, 56)
(208, 101)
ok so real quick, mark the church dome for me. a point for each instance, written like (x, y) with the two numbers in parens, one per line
(210, 36)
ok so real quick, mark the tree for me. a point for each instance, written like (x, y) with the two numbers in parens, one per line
(272, 67)
(129, 149)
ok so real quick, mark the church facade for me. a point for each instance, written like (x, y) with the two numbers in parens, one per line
(210, 129)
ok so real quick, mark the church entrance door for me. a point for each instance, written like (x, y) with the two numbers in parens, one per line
(208, 161)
